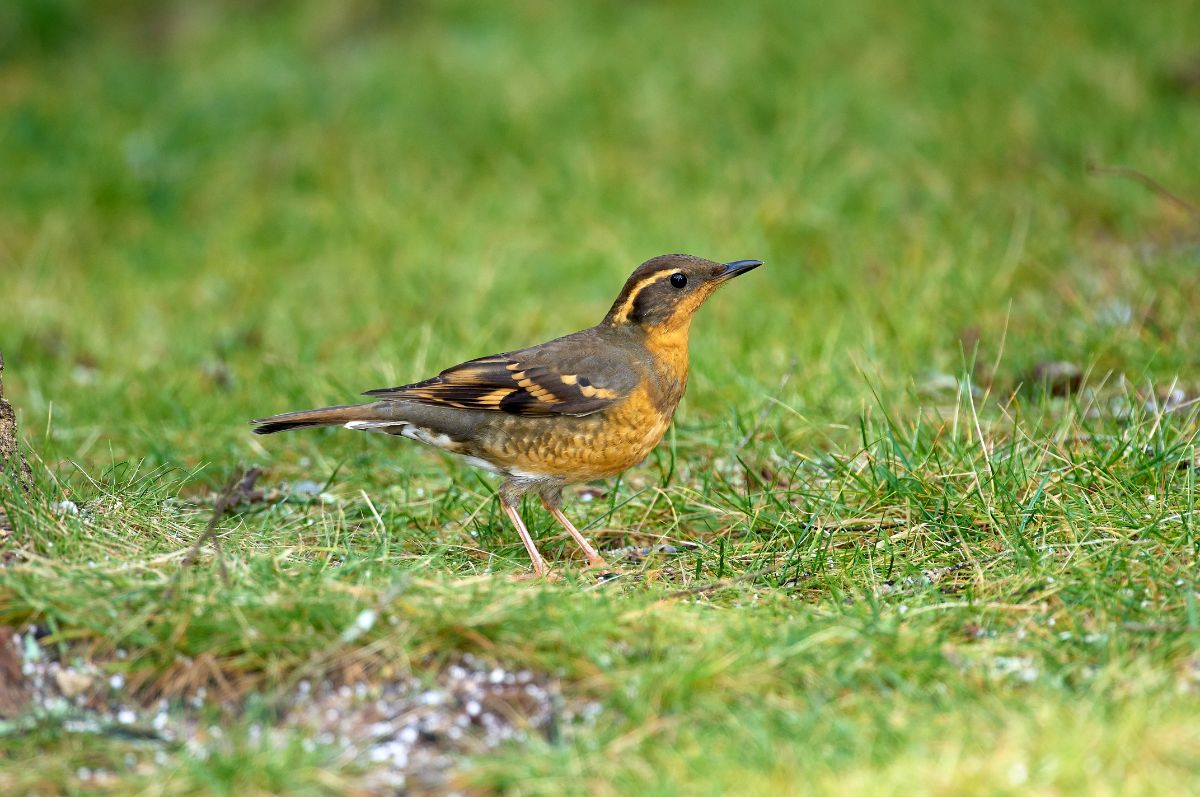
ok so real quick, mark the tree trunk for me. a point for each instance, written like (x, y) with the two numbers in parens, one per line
(13, 467)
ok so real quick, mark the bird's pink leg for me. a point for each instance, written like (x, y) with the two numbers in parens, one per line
(539, 566)
(594, 558)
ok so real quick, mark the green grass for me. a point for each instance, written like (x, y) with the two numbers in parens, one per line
(900, 566)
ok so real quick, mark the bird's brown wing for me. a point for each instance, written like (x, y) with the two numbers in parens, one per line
(567, 376)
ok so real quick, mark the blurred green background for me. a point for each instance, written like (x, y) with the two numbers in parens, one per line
(879, 580)
(212, 211)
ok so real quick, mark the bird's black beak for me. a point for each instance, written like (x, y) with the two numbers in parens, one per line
(738, 267)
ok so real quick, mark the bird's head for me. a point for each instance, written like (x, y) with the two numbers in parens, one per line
(665, 292)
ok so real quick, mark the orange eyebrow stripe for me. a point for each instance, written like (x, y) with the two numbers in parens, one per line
(627, 306)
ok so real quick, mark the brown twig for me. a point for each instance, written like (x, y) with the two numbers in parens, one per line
(712, 586)
(935, 575)
(1146, 180)
(841, 525)
(239, 485)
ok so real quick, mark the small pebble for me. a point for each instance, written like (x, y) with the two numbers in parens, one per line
(306, 488)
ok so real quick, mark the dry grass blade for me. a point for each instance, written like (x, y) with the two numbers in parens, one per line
(1146, 180)
(240, 485)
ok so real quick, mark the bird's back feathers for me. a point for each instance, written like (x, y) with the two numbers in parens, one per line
(574, 375)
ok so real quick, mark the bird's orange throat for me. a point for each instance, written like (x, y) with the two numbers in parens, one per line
(668, 344)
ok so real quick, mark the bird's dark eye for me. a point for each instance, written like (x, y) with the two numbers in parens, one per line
(679, 280)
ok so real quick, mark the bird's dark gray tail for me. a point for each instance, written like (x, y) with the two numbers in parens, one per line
(325, 416)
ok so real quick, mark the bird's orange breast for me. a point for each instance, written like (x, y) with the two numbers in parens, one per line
(602, 444)
(578, 449)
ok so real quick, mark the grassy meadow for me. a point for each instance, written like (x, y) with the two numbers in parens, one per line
(925, 522)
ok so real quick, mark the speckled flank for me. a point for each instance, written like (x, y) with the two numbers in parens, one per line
(578, 449)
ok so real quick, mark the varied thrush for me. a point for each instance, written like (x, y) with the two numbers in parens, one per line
(581, 407)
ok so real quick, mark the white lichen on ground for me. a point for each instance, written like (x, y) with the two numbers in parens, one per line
(400, 733)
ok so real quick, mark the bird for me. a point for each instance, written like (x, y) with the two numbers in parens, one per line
(579, 408)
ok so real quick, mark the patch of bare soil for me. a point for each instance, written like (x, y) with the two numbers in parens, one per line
(405, 734)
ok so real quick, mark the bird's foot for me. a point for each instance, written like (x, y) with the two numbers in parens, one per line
(598, 563)
(603, 576)
(545, 576)
(601, 569)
